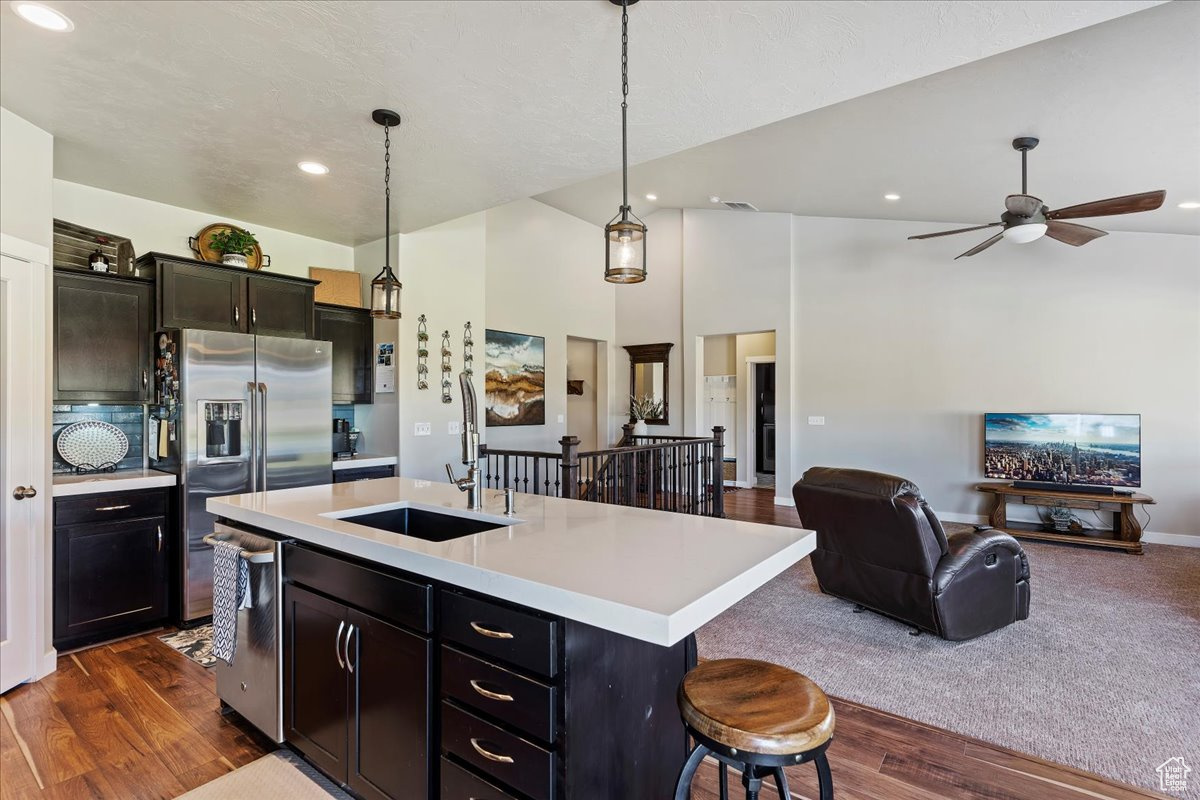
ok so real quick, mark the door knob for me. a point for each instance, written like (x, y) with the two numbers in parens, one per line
(22, 492)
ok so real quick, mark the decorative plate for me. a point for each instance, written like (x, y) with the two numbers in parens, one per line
(201, 245)
(93, 443)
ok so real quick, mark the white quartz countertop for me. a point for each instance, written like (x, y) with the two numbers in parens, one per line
(363, 460)
(652, 575)
(120, 481)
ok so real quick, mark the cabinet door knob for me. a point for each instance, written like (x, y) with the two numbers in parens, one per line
(253, 316)
(237, 316)
(145, 382)
(159, 538)
(346, 647)
(482, 631)
(23, 492)
(488, 754)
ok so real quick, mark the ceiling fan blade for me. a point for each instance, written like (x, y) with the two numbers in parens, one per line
(979, 248)
(1127, 204)
(1071, 233)
(1023, 205)
(959, 230)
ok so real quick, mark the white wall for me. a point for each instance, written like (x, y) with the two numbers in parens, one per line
(26, 172)
(902, 350)
(163, 228)
(545, 276)
(737, 279)
(441, 269)
(652, 312)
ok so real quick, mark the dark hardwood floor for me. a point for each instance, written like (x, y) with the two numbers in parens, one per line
(135, 719)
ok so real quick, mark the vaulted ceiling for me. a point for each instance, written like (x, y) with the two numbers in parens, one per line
(209, 105)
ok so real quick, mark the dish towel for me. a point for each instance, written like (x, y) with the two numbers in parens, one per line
(231, 592)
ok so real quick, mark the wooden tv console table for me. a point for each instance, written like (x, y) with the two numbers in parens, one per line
(1125, 535)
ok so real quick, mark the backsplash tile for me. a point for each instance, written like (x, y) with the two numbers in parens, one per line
(130, 419)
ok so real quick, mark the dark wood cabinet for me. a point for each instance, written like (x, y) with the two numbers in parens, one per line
(213, 297)
(102, 326)
(352, 332)
(110, 565)
(363, 473)
(357, 689)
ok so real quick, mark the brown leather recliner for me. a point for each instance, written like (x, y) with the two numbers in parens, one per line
(881, 546)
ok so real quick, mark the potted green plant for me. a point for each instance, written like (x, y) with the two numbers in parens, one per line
(642, 408)
(234, 244)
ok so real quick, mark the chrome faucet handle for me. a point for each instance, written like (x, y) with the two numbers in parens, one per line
(450, 474)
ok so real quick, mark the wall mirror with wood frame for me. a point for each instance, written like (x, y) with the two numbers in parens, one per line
(649, 375)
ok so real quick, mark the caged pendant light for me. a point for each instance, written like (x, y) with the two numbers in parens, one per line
(385, 287)
(625, 234)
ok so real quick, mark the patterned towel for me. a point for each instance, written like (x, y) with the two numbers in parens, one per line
(231, 592)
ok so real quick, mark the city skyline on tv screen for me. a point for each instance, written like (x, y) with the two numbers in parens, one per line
(1091, 449)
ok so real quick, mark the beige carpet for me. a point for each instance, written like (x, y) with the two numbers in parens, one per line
(1104, 675)
(276, 776)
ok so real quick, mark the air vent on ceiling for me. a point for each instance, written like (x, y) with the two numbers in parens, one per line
(737, 206)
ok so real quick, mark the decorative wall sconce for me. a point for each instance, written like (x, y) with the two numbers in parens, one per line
(468, 343)
(422, 354)
(446, 368)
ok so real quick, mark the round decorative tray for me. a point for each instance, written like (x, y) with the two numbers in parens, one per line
(94, 444)
(201, 245)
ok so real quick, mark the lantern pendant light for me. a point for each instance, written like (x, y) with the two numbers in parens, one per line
(625, 234)
(385, 287)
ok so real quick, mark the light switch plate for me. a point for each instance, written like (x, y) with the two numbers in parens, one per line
(422, 429)
(560, 419)
(816, 420)
(454, 427)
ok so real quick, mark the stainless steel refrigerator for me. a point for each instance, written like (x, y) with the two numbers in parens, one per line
(254, 414)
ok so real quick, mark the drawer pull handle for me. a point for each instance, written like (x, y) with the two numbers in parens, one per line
(507, 698)
(337, 645)
(113, 508)
(482, 631)
(490, 756)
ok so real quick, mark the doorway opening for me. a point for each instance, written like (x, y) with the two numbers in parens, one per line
(738, 393)
(584, 417)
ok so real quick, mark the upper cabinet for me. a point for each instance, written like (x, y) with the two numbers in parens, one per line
(198, 294)
(102, 326)
(352, 332)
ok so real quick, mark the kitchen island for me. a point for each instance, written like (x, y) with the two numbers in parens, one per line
(537, 658)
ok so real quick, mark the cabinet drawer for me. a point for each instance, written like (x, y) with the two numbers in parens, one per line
(513, 637)
(388, 597)
(520, 702)
(511, 760)
(458, 784)
(110, 507)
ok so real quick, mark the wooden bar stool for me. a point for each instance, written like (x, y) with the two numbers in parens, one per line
(757, 717)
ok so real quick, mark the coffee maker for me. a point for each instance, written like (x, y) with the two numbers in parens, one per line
(341, 440)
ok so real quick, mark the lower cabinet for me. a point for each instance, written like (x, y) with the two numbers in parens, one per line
(110, 565)
(357, 696)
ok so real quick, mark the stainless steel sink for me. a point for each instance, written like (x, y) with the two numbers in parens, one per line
(421, 524)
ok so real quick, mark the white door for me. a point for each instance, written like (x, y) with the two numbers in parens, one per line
(22, 343)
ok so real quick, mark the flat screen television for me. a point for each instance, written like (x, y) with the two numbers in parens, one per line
(1067, 449)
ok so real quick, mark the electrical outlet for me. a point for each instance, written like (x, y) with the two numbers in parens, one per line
(422, 429)
(454, 427)
(816, 420)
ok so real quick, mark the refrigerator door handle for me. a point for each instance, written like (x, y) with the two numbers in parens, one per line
(262, 437)
(254, 423)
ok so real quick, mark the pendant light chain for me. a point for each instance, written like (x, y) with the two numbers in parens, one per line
(387, 196)
(624, 104)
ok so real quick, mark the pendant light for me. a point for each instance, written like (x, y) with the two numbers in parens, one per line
(385, 287)
(625, 234)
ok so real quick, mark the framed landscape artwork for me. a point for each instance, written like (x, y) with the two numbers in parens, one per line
(515, 384)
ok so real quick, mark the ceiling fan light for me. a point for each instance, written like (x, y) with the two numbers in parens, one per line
(1024, 234)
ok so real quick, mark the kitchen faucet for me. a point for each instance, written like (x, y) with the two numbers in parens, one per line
(470, 448)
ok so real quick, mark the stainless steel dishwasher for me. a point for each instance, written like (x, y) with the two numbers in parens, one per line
(253, 684)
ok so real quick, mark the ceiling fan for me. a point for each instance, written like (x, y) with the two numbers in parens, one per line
(1026, 218)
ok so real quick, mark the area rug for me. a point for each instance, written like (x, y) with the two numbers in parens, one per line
(195, 643)
(1103, 676)
(276, 775)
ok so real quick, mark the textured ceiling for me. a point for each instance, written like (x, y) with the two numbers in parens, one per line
(209, 105)
(1117, 107)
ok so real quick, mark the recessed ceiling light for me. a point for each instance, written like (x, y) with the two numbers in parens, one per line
(1189, 204)
(714, 199)
(651, 197)
(891, 196)
(313, 168)
(42, 16)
